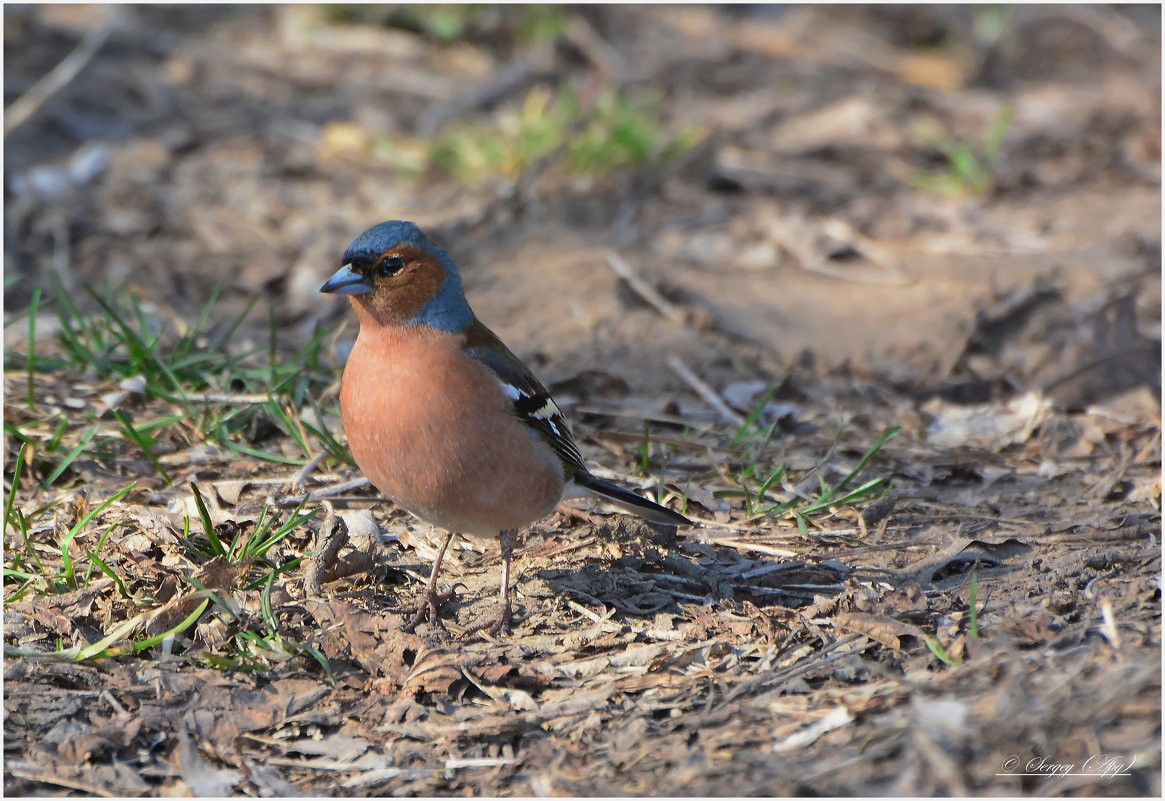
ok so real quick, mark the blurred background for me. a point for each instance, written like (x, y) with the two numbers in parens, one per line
(962, 199)
(873, 293)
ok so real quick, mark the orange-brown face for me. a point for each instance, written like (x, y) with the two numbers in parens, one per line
(394, 287)
(396, 276)
(404, 280)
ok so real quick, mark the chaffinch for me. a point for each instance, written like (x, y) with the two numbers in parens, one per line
(442, 417)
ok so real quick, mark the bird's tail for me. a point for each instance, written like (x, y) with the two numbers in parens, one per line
(629, 501)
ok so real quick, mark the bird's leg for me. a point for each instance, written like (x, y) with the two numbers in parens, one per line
(502, 622)
(427, 607)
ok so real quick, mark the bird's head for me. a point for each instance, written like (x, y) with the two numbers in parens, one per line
(395, 276)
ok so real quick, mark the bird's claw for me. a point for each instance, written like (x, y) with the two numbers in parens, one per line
(428, 608)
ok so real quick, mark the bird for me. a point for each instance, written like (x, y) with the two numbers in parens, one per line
(443, 418)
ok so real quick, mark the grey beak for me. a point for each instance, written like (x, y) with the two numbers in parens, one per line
(347, 281)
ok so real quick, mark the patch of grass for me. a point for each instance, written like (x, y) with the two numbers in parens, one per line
(249, 544)
(768, 490)
(181, 387)
(242, 552)
(258, 647)
(625, 131)
(620, 131)
(935, 645)
(237, 398)
(541, 22)
(34, 573)
(971, 163)
(68, 577)
(18, 522)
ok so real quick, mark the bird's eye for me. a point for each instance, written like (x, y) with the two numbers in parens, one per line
(392, 265)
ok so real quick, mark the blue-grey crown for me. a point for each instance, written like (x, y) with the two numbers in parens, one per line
(448, 310)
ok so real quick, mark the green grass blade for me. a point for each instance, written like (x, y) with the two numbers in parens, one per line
(207, 525)
(161, 422)
(69, 335)
(754, 415)
(323, 660)
(144, 442)
(92, 554)
(295, 521)
(937, 649)
(291, 565)
(84, 521)
(94, 559)
(120, 632)
(11, 572)
(58, 434)
(189, 621)
(67, 540)
(245, 450)
(69, 458)
(32, 309)
(143, 352)
(332, 445)
(887, 435)
(292, 426)
(17, 469)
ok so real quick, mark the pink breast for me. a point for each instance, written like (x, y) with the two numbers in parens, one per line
(433, 430)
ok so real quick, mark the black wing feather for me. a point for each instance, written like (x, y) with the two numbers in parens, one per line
(534, 406)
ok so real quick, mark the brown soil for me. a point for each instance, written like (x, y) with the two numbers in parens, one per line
(1013, 333)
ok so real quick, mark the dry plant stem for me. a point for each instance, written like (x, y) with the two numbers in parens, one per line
(703, 390)
(309, 468)
(644, 289)
(427, 606)
(332, 535)
(59, 76)
(501, 624)
(227, 398)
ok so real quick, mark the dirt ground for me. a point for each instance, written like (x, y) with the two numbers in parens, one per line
(821, 232)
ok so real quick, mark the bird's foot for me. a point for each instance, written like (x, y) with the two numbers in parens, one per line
(428, 608)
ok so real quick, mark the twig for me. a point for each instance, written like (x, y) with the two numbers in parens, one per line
(23, 770)
(325, 492)
(703, 390)
(59, 76)
(758, 547)
(309, 468)
(483, 762)
(644, 289)
(219, 397)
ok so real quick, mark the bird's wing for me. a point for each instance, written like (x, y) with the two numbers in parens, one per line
(532, 403)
